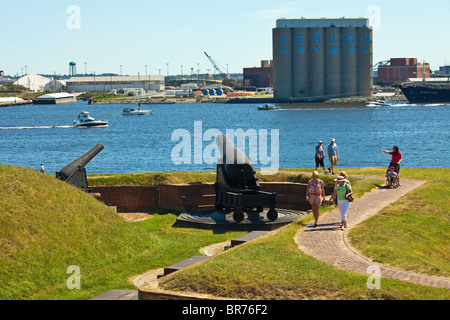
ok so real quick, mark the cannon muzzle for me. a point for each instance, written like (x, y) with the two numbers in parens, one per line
(229, 152)
(75, 173)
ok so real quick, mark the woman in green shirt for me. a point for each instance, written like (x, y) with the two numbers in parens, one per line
(341, 190)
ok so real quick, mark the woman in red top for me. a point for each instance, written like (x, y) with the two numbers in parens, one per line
(396, 159)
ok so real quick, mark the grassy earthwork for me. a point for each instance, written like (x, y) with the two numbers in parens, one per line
(47, 226)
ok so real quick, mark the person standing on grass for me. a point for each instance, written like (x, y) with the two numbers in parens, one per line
(320, 155)
(315, 194)
(333, 155)
(342, 190)
(397, 157)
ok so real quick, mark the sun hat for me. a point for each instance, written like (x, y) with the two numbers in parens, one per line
(340, 178)
(333, 139)
(320, 141)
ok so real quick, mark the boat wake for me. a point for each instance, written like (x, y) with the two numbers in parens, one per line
(34, 127)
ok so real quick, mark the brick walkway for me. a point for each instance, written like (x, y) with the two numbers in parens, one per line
(328, 243)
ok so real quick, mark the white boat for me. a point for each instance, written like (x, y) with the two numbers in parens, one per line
(379, 103)
(268, 107)
(86, 121)
(136, 112)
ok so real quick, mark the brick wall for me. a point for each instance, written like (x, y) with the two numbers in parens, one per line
(193, 197)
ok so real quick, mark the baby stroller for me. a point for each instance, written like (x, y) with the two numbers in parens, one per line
(391, 178)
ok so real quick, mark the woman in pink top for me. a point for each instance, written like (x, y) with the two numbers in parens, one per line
(396, 159)
(315, 194)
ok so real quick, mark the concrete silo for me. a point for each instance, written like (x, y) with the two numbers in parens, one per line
(283, 67)
(319, 59)
(316, 62)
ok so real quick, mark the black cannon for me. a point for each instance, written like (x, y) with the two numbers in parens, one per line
(75, 173)
(237, 187)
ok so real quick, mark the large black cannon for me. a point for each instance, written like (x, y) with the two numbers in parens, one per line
(75, 173)
(237, 187)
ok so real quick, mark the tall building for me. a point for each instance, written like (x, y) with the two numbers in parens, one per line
(401, 69)
(319, 59)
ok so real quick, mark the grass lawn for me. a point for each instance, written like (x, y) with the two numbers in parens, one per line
(412, 234)
(47, 226)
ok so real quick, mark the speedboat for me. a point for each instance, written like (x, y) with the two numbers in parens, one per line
(268, 107)
(86, 121)
(135, 112)
(379, 103)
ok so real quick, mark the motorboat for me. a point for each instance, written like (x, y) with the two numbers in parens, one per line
(379, 103)
(268, 107)
(138, 111)
(86, 121)
(135, 112)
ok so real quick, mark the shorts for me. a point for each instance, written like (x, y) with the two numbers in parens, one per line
(319, 162)
(396, 166)
(333, 160)
(315, 199)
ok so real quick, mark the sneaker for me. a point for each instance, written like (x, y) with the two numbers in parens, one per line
(325, 172)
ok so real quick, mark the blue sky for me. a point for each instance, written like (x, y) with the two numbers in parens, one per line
(238, 33)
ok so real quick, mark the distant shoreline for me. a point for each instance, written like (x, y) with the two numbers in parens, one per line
(351, 100)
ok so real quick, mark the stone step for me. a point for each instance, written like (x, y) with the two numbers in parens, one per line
(247, 237)
(117, 295)
(182, 264)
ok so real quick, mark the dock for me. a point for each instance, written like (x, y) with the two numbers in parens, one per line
(13, 101)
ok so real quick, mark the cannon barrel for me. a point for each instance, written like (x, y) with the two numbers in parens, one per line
(75, 173)
(81, 162)
(237, 167)
(229, 152)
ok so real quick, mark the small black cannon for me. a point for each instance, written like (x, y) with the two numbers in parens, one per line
(75, 173)
(237, 187)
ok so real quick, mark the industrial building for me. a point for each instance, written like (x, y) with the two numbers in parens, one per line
(320, 59)
(37, 83)
(108, 83)
(259, 77)
(443, 71)
(400, 69)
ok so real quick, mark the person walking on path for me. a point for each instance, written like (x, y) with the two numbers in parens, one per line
(320, 155)
(397, 157)
(42, 168)
(315, 194)
(342, 190)
(333, 155)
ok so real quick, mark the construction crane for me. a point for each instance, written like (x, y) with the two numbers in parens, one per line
(222, 74)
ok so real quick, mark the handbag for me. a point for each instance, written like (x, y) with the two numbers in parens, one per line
(349, 196)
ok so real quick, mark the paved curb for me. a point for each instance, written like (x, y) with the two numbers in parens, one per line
(328, 243)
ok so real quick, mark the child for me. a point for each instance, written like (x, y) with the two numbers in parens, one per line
(391, 176)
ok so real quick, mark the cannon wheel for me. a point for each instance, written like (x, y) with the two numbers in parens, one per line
(238, 216)
(272, 215)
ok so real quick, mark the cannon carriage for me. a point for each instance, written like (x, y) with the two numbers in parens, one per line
(237, 187)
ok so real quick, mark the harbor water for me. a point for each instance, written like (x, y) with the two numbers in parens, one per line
(35, 134)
